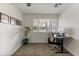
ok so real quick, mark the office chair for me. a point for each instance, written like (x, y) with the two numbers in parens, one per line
(52, 41)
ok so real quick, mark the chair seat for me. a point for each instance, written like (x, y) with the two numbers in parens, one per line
(55, 43)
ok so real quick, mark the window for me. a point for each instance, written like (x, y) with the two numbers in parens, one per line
(36, 25)
(44, 25)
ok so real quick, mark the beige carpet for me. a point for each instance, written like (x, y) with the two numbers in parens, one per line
(38, 50)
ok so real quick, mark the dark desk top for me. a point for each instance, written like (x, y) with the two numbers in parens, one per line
(65, 37)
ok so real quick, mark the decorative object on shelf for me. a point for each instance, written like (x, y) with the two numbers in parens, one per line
(4, 18)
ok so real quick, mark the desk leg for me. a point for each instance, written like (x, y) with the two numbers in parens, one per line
(61, 47)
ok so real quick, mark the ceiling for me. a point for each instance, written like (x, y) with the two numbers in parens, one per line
(40, 8)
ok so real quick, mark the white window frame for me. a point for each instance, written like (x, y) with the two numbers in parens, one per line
(50, 26)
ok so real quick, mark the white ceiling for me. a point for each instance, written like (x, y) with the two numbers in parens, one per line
(40, 8)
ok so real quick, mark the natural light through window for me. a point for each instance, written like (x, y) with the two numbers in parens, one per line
(44, 25)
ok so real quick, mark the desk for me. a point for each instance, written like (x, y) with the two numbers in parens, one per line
(61, 39)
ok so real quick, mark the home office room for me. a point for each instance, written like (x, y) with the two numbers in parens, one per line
(39, 29)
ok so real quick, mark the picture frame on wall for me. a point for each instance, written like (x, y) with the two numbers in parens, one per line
(18, 22)
(12, 20)
(4, 18)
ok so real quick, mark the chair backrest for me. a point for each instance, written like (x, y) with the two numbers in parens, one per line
(51, 36)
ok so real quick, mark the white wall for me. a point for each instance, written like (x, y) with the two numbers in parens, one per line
(10, 10)
(10, 35)
(10, 38)
(69, 19)
(37, 37)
